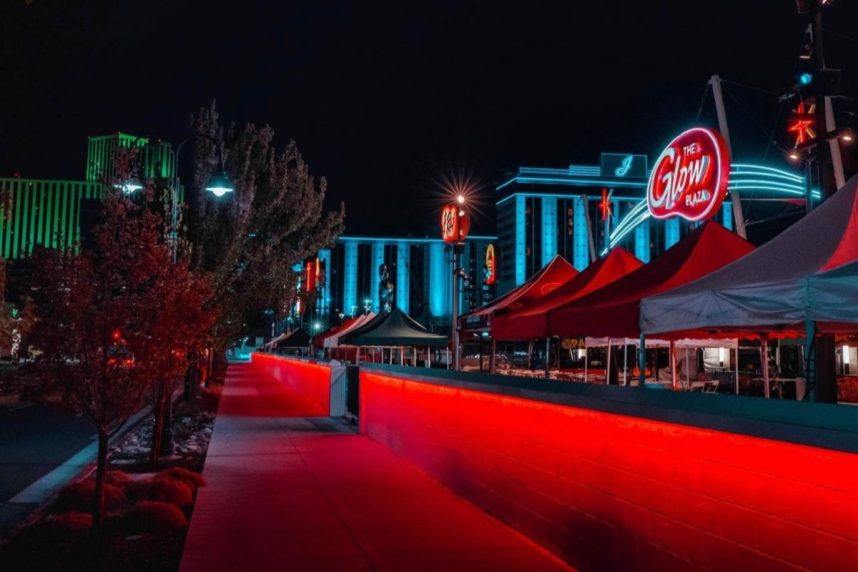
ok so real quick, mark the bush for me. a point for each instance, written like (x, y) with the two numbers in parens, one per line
(162, 489)
(78, 496)
(155, 517)
(119, 479)
(190, 478)
(72, 521)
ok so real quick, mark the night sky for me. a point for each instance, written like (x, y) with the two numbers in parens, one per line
(388, 99)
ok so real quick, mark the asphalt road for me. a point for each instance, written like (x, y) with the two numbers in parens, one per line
(34, 440)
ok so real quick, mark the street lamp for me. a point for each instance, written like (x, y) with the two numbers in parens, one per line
(219, 185)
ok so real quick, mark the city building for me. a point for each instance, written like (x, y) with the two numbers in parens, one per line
(581, 211)
(49, 212)
(420, 269)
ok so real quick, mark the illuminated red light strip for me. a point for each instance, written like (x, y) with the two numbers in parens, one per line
(606, 490)
(310, 381)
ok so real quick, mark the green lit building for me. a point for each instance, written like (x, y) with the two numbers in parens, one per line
(48, 212)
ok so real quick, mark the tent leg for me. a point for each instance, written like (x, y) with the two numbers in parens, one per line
(625, 362)
(736, 367)
(401, 355)
(642, 362)
(672, 365)
(764, 366)
(810, 393)
(586, 361)
(608, 364)
(493, 357)
(547, 357)
(428, 357)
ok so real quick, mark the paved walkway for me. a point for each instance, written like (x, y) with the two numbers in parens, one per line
(286, 492)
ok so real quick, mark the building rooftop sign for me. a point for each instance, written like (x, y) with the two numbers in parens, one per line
(689, 179)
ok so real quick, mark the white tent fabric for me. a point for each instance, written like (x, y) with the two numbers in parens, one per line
(333, 341)
(808, 272)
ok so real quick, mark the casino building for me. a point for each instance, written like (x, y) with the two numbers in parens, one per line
(48, 212)
(583, 210)
(421, 270)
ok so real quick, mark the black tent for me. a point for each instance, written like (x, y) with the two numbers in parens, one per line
(297, 339)
(394, 328)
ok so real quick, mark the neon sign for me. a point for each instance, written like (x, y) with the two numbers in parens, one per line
(689, 178)
(455, 224)
(491, 265)
(624, 167)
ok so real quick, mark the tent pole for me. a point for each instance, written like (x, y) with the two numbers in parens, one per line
(401, 355)
(625, 362)
(672, 349)
(810, 393)
(493, 357)
(547, 357)
(687, 370)
(428, 361)
(586, 360)
(736, 367)
(764, 366)
(642, 362)
(608, 364)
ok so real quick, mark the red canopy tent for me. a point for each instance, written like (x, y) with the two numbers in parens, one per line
(551, 277)
(531, 321)
(613, 311)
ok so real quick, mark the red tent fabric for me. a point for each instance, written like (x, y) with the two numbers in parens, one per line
(552, 276)
(613, 311)
(531, 321)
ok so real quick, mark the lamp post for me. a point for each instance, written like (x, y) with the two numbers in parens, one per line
(219, 185)
(455, 224)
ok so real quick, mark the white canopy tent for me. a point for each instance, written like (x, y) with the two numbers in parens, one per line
(332, 341)
(804, 277)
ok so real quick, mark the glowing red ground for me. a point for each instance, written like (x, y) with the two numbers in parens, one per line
(288, 492)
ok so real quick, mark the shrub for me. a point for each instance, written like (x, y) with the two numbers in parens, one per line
(190, 478)
(119, 479)
(78, 496)
(162, 489)
(155, 517)
(72, 521)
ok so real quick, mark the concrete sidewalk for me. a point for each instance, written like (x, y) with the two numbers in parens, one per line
(286, 492)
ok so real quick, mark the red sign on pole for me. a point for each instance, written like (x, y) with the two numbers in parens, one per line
(689, 178)
(455, 224)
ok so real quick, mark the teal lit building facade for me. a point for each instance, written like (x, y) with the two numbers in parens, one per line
(47, 212)
(581, 211)
(420, 269)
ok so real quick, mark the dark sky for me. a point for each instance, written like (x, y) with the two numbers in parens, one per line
(385, 99)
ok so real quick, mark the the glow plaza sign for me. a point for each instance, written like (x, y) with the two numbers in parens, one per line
(689, 178)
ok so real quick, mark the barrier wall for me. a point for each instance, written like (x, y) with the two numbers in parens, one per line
(309, 381)
(615, 491)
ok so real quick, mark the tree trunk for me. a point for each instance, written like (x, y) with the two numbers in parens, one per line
(100, 473)
(158, 429)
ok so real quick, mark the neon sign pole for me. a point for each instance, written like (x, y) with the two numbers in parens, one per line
(455, 225)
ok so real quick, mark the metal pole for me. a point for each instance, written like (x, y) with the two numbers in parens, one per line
(428, 357)
(586, 357)
(642, 362)
(810, 393)
(672, 365)
(736, 367)
(547, 355)
(608, 364)
(625, 362)
(493, 357)
(718, 95)
(764, 367)
(456, 350)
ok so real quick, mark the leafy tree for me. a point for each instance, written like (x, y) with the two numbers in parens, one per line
(250, 239)
(115, 317)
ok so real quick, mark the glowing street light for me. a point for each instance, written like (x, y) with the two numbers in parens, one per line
(220, 184)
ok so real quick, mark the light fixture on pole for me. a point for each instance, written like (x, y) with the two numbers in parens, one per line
(455, 224)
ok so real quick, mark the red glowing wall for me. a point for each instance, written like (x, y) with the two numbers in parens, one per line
(612, 492)
(307, 383)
